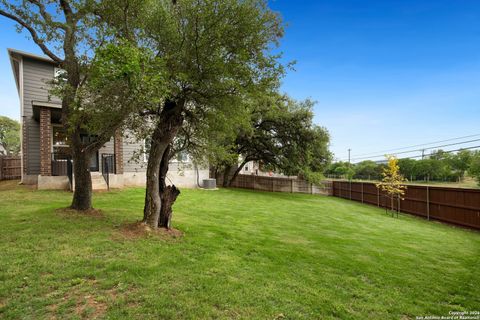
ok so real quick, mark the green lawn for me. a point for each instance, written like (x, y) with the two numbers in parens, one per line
(244, 255)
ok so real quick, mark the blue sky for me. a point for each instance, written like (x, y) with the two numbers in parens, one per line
(385, 73)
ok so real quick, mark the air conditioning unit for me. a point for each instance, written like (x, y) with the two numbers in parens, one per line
(209, 184)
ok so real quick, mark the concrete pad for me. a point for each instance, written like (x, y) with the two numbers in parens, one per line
(53, 183)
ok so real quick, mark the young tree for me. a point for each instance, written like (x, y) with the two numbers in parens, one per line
(214, 53)
(69, 32)
(10, 135)
(392, 182)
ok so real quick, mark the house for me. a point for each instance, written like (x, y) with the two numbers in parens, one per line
(44, 147)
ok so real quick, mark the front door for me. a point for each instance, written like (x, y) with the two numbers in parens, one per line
(94, 166)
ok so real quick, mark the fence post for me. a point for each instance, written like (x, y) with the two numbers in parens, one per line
(428, 203)
(378, 197)
(273, 180)
(398, 205)
(1, 168)
(350, 189)
(362, 192)
(254, 182)
(311, 188)
(291, 185)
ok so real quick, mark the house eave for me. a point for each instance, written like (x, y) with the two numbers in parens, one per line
(46, 104)
(15, 52)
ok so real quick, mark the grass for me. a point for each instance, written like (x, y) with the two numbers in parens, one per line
(244, 255)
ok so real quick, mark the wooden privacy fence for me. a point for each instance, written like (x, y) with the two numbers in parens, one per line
(453, 205)
(10, 168)
(280, 184)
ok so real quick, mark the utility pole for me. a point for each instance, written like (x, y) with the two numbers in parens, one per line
(423, 153)
(349, 155)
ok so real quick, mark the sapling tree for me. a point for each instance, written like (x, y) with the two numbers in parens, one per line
(392, 182)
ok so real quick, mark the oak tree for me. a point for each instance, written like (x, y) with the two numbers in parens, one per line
(214, 53)
(69, 32)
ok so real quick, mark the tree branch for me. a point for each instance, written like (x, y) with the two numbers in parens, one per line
(34, 35)
(46, 16)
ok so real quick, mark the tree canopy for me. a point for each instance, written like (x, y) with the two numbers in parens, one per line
(76, 34)
(281, 135)
(10, 135)
(214, 55)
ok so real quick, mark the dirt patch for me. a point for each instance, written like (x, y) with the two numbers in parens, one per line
(67, 212)
(139, 230)
(89, 300)
(90, 308)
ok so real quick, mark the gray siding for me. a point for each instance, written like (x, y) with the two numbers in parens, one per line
(36, 74)
(132, 162)
(130, 149)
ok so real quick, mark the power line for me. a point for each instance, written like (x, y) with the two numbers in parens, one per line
(418, 150)
(448, 151)
(419, 145)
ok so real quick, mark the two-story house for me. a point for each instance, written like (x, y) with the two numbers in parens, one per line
(44, 146)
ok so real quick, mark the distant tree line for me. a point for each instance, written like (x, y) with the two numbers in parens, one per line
(440, 166)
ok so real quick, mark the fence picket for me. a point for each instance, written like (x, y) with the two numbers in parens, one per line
(458, 206)
(10, 167)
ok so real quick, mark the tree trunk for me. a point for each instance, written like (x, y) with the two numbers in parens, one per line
(168, 194)
(82, 194)
(167, 127)
(236, 173)
(151, 211)
(226, 173)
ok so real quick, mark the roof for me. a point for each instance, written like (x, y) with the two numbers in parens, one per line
(14, 52)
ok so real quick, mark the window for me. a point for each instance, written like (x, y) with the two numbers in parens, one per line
(59, 140)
